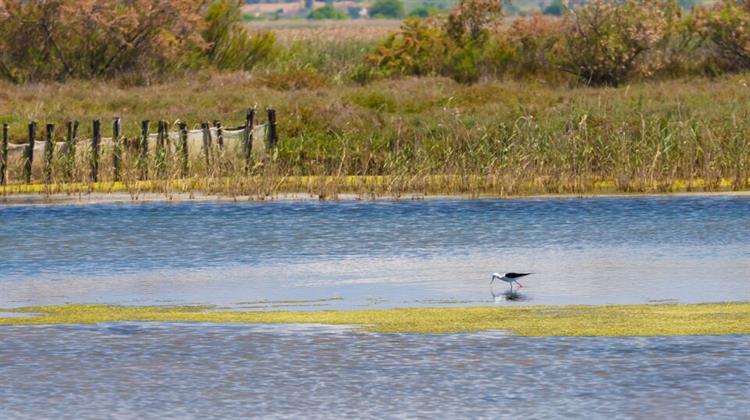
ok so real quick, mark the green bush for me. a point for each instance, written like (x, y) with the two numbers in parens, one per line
(418, 48)
(392, 9)
(556, 8)
(425, 11)
(327, 12)
(452, 46)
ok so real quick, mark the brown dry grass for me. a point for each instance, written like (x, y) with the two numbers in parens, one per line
(288, 31)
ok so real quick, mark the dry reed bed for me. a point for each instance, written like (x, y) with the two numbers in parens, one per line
(288, 31)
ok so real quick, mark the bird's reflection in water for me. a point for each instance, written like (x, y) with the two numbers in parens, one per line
(509, 296)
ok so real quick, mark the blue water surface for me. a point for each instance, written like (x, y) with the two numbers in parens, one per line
(597, 250)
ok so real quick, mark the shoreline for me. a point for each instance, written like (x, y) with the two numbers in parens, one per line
(199, 197)
(534, 321)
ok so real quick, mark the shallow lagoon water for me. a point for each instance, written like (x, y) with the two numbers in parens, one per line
(306, 255)
(144, 370)
(311, 255)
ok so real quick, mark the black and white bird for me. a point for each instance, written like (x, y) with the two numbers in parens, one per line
(509, 278)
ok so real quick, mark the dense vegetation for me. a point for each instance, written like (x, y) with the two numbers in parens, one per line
(609, 97)
(82, 39)
(499, 138)
(601, 43)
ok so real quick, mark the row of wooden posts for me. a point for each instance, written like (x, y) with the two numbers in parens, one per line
(141, 145)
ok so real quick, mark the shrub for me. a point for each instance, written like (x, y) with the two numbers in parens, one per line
(603, 42)
(83, 39)
(96, 38)
(532, 42)
(231, 47)
(450, 47)
(393, 9)
(727, 29)
(327, 12)
(425, 11)
(418, 48)
(472, 20)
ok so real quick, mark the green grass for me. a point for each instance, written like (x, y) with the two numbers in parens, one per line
(610, 320)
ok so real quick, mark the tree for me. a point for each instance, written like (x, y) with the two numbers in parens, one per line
(393, 9)
(327, 12)
(556, 8)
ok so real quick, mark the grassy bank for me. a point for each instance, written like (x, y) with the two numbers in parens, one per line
(613, 320)
(517, 137)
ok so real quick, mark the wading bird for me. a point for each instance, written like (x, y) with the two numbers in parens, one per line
(509, 278)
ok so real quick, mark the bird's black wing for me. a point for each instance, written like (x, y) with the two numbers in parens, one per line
(515, 275)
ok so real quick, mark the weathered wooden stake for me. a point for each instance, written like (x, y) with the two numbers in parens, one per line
(184, 148)
(272, 137)
(49, 149)
(4, 157)
(247, 139)
(206, 142)
(116, 148)
(219, 134)
(143, 148)
(70, 149)
(160, 150)
(219, 158)
(96, 140)
(29, 153)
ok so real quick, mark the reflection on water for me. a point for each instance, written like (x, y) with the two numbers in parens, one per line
(376, 254)
(134, 370)
(513, 296)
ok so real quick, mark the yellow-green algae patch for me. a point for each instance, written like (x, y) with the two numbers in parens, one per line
(609, 320)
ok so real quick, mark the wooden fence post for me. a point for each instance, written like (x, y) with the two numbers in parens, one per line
(184, 148)
(96, 140)
(116, 148)
(4, 157)
(29, 153)
(160, 149)
(206, 143)
(219, 134)
(272, 137)
(247, 140)
(70, 149)
(143, 148)
(49, 149)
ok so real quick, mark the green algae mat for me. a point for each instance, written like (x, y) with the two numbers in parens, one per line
(605, 321)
